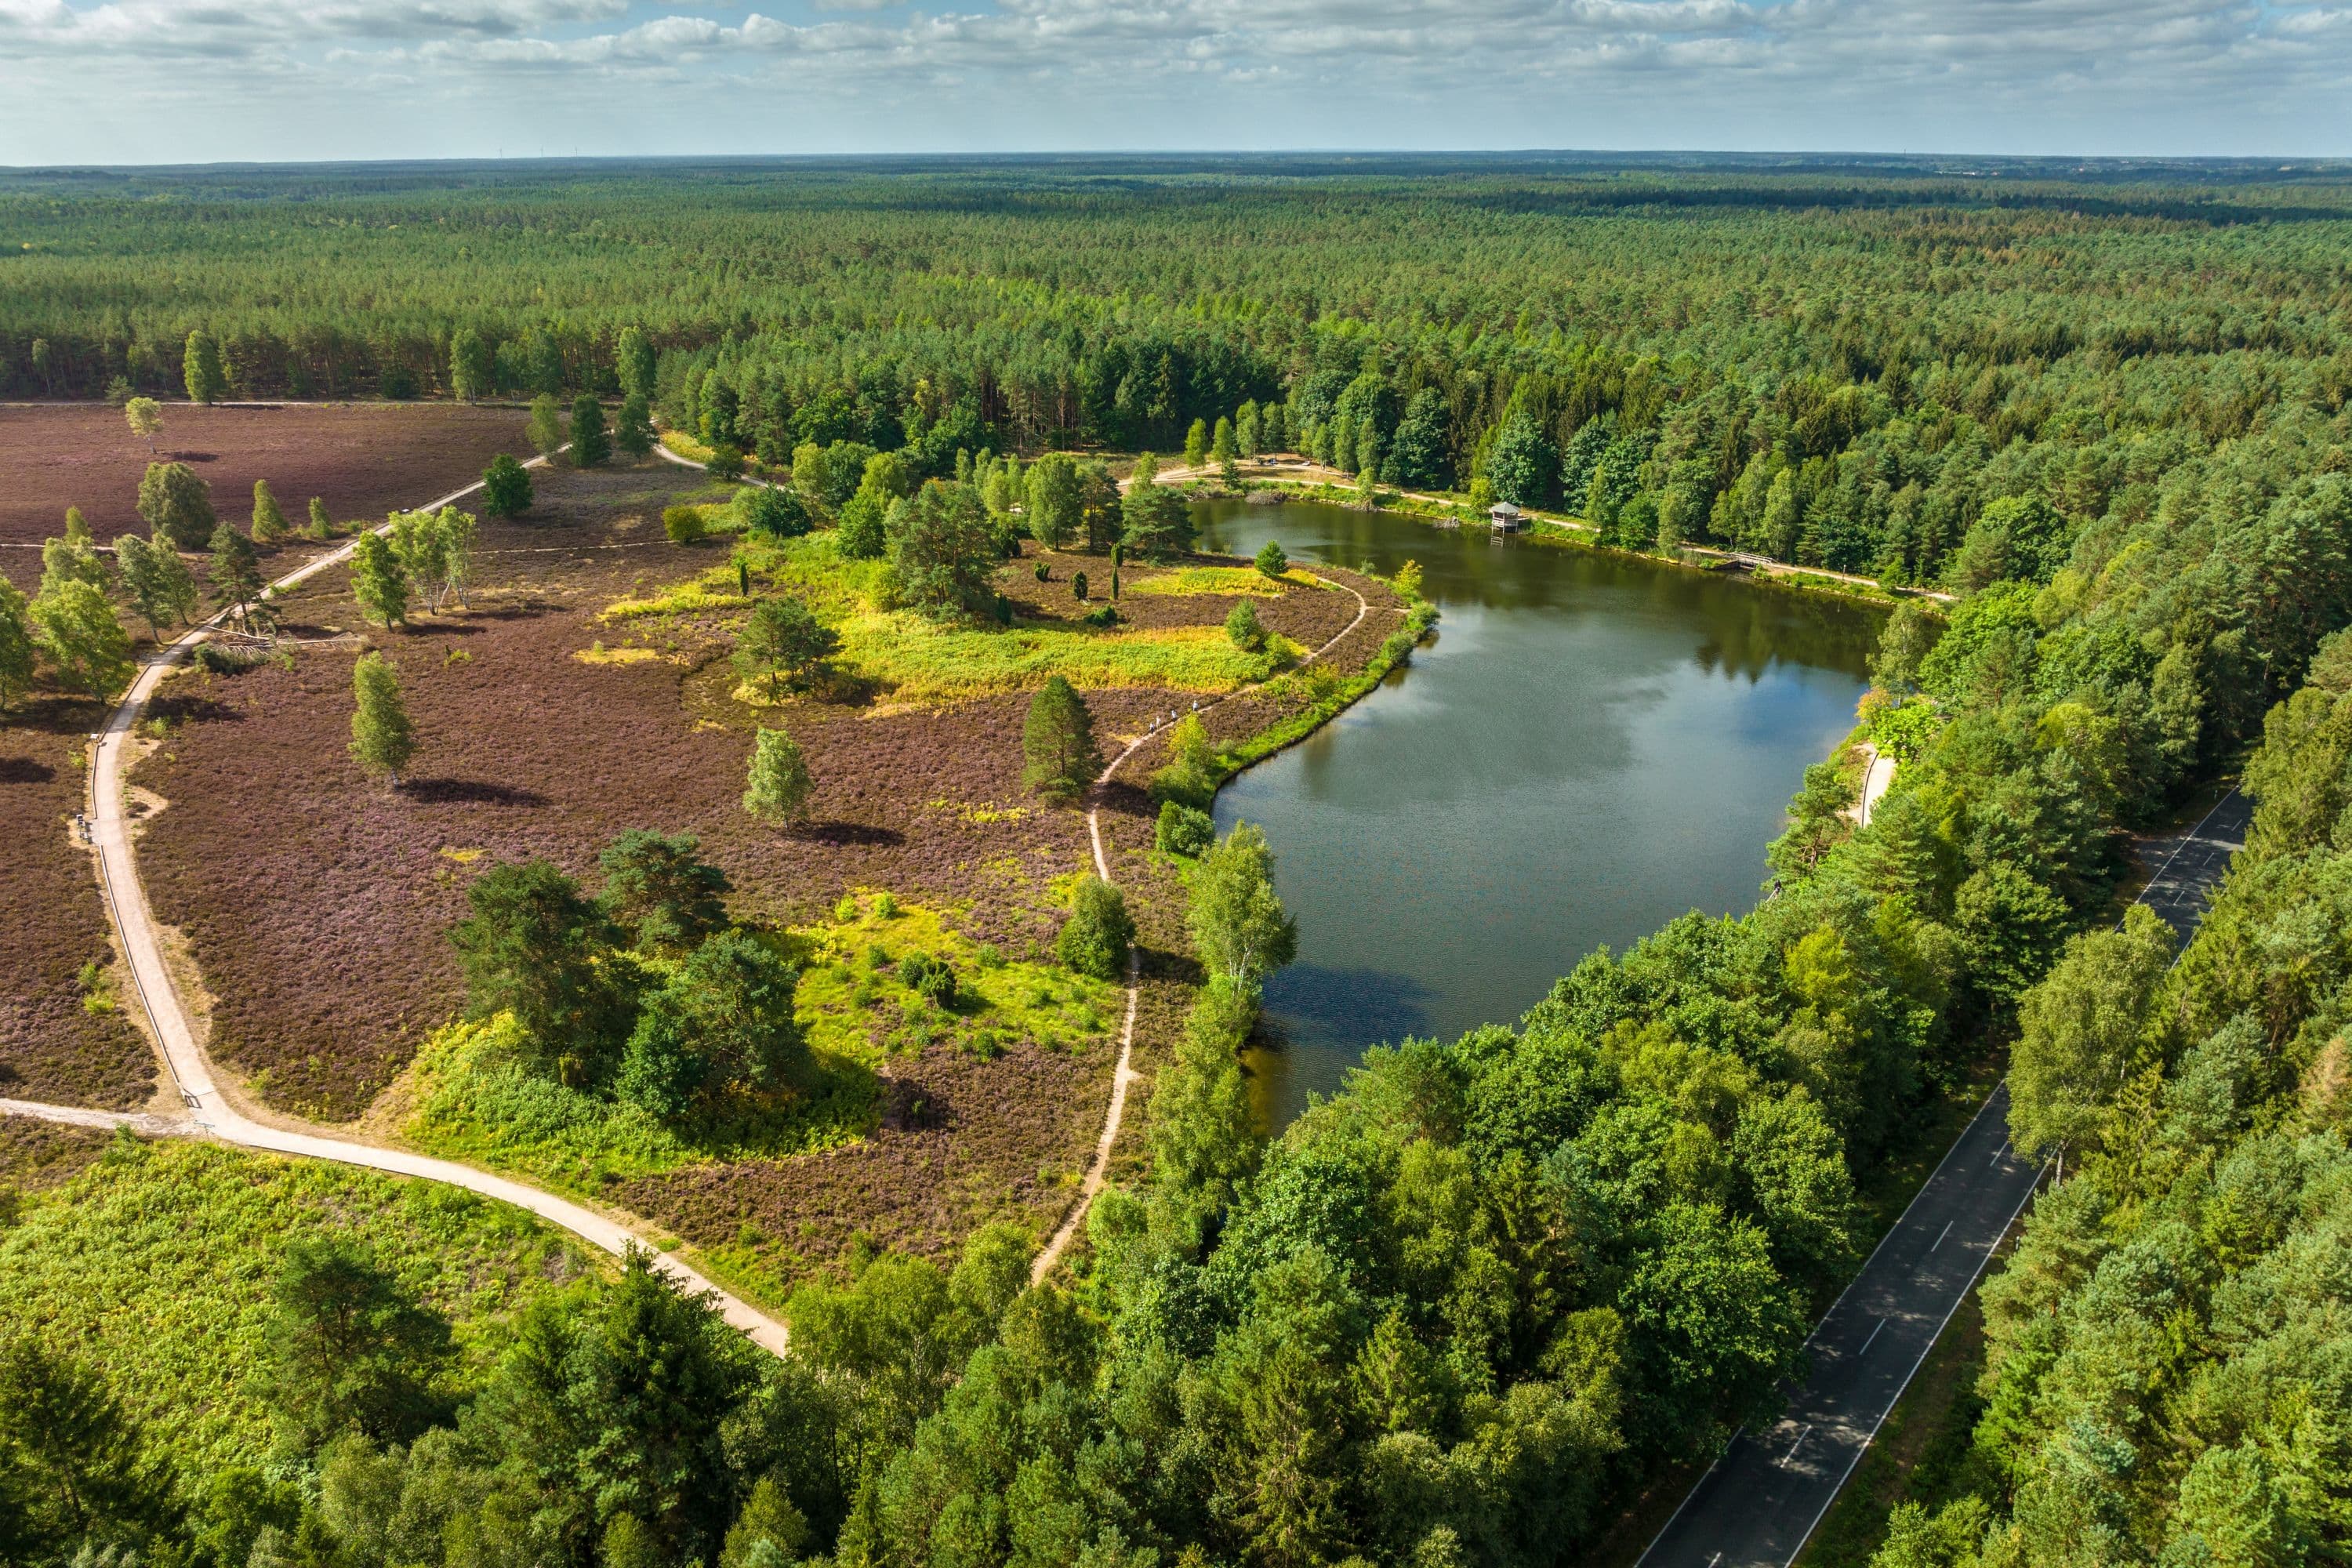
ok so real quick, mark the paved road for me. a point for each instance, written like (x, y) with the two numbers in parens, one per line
(210, 1109)
(2189, 862)
(1760, 1502)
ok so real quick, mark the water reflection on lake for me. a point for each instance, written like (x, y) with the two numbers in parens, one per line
(1592, 745)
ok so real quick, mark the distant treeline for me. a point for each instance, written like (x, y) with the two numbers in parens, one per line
(1834, 365)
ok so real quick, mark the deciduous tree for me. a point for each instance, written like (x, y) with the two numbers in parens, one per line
(15, 645)
(268, 523)
(1239, 927)
(145, 417)
(1094, 939)
(377, 581)
(76, 627)
(235, 572)
(545, 427)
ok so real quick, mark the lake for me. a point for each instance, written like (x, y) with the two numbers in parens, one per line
(1590, 745)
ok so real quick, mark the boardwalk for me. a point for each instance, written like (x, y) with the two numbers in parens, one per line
(1757, 1505)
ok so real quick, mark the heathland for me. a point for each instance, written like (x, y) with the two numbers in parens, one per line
(1471, 1308)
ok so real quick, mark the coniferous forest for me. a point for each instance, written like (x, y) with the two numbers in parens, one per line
(1467, 1310)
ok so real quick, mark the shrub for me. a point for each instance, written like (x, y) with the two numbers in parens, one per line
(764, 509)
(684, 525)
(1045, 573)
(1108, 615)
(1272, 559)
(1243, 627)
(725, 462)
(1191, 775)
(930, 978)
(1183, 829)
(1094, 939)
(1078, 584)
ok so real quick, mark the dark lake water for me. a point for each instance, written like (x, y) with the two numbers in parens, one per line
(1590, 745)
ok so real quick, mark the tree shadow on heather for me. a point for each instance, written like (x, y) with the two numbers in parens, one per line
(841, 835)
(24, 771)
(470, 792)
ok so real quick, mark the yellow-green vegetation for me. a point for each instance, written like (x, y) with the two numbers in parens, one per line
(917, 659)
(476, 1100)
(685, 446)
(155, 1266)
(597, 653)
(855, 999)
(1246, 580)
(473, 1097)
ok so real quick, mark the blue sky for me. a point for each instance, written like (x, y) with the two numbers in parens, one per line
(190, 81)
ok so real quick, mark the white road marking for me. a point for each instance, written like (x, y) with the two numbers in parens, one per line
(1797, 1445)
(1868, 1342)
(1941, 1234)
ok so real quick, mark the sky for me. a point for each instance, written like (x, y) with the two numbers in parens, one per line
(169, 81)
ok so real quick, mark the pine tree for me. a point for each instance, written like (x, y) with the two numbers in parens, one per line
(506, 487)
(1059, 759)
(377, 581)
(591, 443)
(172, 500)
(632, 432)
(778, 785)
(782, 638)
(205, 378)
(633, 362)
(268, 523)
(382, 738)
(236, 574)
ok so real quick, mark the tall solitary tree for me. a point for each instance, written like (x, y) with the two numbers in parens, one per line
(1059, 759)
(1196, 444)
(321, 525)
(145, 418)
(206, 377)
(944, 550)
(591, 442)
(777, 786)
(506, 487)
(268, 523)
(382, 738)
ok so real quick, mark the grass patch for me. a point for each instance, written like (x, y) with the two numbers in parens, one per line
(155, 1264)
(921, 660)
(917, 660)
(1228, 580)
(475, 1100)
(852, 1001)
(597, 653)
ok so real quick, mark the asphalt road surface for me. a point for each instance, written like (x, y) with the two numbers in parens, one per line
(2189, 862)
(1757, 1505)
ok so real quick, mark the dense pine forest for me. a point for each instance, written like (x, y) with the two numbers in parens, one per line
(1465, 1311)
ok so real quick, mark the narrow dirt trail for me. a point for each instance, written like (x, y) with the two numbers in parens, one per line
(1124, 1075)
(210, 1109)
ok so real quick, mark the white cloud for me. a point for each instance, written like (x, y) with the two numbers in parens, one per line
(1994, 75)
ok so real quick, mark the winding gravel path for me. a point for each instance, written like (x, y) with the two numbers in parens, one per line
(210, 1109)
